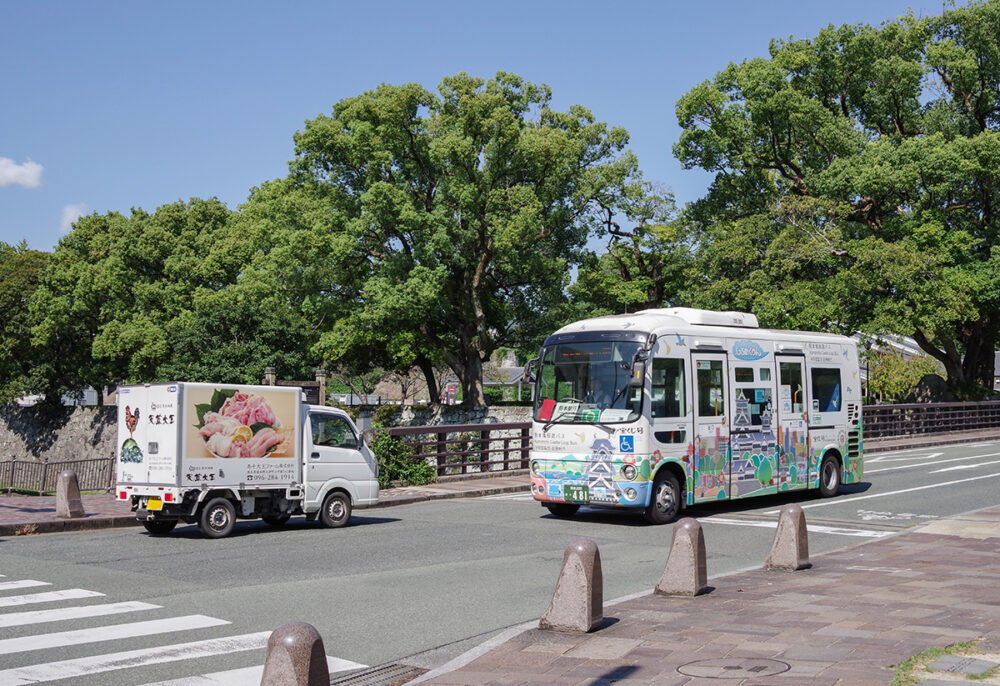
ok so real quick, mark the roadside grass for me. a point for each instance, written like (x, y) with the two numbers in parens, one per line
(912, 671)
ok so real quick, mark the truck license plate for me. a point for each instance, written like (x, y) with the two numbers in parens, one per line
(154, 504)
(574, 493)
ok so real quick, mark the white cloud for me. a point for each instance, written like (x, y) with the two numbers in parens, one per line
(28, 174)
(70, 213)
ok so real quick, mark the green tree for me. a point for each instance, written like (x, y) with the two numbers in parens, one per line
(644, 266)
(463, 211)
(114, 289)
(891, 376)
(22, 366)
(857, 184)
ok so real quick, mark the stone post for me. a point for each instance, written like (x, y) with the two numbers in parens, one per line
(578, 602)
(790, 549)
(321, 380)
(270, 377)
(686, 572)
(68, 502)
(295, 657)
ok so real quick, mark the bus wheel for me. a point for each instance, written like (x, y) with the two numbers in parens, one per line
(562, 509)
(829, 476)
(666, 501)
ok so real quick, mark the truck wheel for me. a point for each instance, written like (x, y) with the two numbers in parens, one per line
(159, 526)
(336, 510)
(666, 500)
(562, 509)
(218, 517)
(829, 476)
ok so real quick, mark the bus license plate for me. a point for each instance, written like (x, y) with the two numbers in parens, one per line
(573, 493)
(154, 504)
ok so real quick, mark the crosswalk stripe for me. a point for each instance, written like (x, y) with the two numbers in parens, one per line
(76, 612)
(48, 597)
(106, 633)
(70, 669)
(250, 675)
(24, 583)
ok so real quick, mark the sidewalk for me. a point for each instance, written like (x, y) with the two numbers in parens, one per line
(848, 621)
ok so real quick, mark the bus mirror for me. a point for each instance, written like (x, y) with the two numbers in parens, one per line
(529, 370)
(638, 374)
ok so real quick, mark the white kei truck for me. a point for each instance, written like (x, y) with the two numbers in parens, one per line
(214, 453)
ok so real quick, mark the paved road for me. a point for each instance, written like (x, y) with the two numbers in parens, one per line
(398, 582)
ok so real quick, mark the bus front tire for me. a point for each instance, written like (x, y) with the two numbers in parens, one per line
(829, 476)
(666, 500)
(562, 509)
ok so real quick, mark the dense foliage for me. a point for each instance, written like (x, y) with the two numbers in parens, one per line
(857, 184)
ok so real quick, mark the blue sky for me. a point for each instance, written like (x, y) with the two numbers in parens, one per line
(113, 105)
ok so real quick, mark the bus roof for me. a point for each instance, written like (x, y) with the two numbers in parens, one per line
(691, 321)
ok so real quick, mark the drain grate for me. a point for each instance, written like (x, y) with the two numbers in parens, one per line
(386, 675)
(733, 668)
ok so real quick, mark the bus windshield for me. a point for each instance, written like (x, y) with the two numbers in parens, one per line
(587, 382)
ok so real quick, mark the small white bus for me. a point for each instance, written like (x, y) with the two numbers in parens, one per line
(666, 408)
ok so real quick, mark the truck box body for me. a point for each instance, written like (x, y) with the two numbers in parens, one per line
(212, 453)
(162, 443)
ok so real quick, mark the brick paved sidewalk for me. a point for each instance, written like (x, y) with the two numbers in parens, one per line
(848, 621)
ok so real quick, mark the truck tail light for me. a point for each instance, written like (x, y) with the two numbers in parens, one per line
(122, 495)
(168, 497)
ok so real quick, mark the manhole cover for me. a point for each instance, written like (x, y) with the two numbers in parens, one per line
(733, 668)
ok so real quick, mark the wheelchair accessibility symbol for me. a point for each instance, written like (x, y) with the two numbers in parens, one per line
(626, 444)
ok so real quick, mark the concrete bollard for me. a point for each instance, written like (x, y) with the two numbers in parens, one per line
(686, 572)
(790, 549)
(295, 657)
(578, 602)
(68, 502)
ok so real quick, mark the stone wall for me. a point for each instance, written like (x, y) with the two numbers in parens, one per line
(82, 433)
(57, 434)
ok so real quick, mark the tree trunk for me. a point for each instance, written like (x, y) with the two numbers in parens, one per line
(427, 369)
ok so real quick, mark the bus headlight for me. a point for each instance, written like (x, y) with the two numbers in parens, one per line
(629, 472)
(534, 468)
(630, 494)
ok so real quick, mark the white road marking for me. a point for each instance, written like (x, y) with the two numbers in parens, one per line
(851, 499)
(902, 459)
(49, 597)
(812, 528)
(910, 466)
(249, 675)
(76, 612)
(965, 466)
(509, 496)
(71, 669)
(106, 633)
(24, 583)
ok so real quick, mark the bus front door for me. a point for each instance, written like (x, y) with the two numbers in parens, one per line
(710, 447)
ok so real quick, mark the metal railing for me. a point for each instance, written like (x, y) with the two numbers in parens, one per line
(886, 421)
(469, 448)
(41, 477)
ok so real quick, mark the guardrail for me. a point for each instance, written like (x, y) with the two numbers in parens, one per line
(470, 448)
(41, 477)
(885, 421)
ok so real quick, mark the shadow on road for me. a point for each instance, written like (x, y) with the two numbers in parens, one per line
(256, 527)
(623, 517)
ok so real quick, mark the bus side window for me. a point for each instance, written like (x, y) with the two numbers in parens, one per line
(711, 389)
(826, 389)
(668, 390)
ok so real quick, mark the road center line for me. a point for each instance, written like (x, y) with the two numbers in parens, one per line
(840, 501)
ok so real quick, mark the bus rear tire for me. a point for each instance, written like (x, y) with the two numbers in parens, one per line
(829, 476)
(665, 502)
(562, 509)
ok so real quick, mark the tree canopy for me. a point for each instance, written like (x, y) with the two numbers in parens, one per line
(857, 184)
(460, 213)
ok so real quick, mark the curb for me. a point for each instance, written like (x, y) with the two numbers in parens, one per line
(51, 526)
